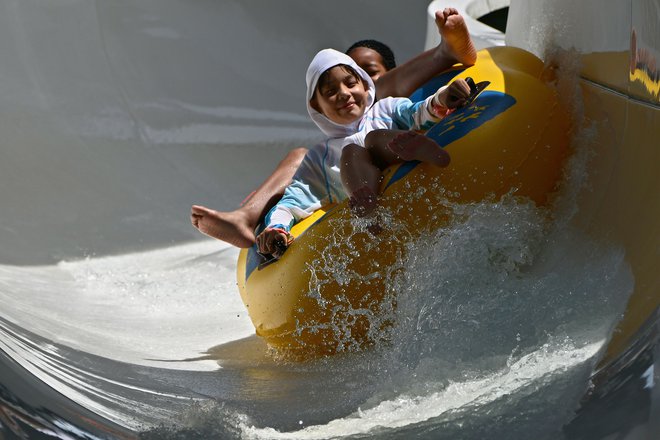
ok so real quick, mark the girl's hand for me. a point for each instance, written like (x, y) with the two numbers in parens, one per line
(274, 241)
(453, 96)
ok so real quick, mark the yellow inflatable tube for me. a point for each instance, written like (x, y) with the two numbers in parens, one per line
(328, 293)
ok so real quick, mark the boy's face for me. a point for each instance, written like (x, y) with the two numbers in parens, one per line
(343, 98)
(370, 61)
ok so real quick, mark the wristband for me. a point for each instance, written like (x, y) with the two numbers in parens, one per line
(440, 111)
(437, 109)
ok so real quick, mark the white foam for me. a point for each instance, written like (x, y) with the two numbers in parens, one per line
(408, 410)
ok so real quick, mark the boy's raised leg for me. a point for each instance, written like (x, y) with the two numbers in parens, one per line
(456, 45)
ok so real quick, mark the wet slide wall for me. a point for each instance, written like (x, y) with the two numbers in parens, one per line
(617, 44)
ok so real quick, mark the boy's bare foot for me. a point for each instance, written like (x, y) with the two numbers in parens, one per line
(456, 43)
(415, 146)
(231, 227)
(363, 201)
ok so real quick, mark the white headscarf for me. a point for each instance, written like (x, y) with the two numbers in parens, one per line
(323, 61)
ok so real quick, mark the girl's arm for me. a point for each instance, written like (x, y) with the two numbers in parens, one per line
(449, 98)
(301, 198)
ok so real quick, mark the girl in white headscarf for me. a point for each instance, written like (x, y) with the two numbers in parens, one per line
(363, 136)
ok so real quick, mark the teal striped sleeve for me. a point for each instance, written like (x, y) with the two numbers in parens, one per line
(304, 194)
(297, 203)
(408, 115)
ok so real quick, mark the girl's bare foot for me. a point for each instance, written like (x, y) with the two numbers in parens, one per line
(456, 43)
(231, 227)
(415, 146)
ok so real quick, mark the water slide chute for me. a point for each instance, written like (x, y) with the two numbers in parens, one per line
(115, 314)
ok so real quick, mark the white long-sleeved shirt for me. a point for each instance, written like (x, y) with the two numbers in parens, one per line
(317, 181)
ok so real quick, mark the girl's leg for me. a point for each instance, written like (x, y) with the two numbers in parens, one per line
(361, 167)
(237, 227)
(377, 142)
(360, 178)
(387, 147)
(415, 146)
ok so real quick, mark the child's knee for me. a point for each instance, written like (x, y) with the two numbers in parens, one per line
(370, 137)
(351, 152)
(374, 136)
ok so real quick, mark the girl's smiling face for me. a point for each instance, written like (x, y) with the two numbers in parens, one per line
(341, 95)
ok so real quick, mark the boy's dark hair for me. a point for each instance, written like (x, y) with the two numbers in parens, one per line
(382, 48)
